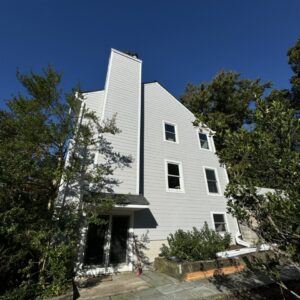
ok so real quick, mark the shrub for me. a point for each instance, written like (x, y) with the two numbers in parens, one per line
(196, 244)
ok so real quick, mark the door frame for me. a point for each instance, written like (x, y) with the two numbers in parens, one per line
(107, 267)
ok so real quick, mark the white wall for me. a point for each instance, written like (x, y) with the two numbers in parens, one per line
(123, 96)
(170, 210)
(94, 101)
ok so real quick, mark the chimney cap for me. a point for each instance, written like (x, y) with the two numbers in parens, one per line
(133, 54)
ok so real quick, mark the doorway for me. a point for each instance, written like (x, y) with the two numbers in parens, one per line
(107, 244)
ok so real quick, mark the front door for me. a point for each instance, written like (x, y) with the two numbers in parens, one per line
(107, 244)
(119, 236)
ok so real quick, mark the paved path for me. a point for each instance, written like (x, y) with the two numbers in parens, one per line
(154, 285)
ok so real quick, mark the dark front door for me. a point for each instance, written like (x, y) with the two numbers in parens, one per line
(96, 239)
(119, 236)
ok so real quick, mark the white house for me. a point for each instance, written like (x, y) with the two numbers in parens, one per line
(175, 181)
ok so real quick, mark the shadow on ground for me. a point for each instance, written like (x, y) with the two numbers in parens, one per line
(154, 285)
(255, 285)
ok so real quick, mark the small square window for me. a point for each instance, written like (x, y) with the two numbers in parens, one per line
(174, 177)
(203, 139)
(170, 132)
(212, 182)
(219, 222)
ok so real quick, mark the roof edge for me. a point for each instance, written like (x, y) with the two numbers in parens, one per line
(126, 55)
(203, 126)
(92, 91)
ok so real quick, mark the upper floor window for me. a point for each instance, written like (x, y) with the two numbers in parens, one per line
(203, 139)
(174, 176)
(219, 222)
(170, 132)
(212, 181)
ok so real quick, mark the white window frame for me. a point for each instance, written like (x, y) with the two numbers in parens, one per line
(212, 213)
(176, 132)
(181, 180)
(218, 181)
(210, 148)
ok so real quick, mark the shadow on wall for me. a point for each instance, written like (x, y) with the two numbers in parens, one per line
(144, 219)
(139, 247)
(136, 249)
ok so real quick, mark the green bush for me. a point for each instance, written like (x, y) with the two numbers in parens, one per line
(196, 244)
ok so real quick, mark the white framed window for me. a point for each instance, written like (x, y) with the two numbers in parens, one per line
(212, 181)
(219, 221)
(174, 176)
(203, 140)
(170, 132)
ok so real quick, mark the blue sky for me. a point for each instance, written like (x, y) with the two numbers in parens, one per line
(179, 41)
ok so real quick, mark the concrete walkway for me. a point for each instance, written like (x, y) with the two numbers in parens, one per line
(158, 286)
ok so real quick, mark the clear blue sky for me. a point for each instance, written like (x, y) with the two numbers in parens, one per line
(179, 41)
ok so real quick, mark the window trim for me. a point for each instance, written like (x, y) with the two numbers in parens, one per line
(217, 178)
(164, 132)
(212, 213)
(181, 179)
(208, 140)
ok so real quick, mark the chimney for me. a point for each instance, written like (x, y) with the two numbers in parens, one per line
(123, 98)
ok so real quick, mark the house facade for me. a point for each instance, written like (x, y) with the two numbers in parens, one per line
(175, 180)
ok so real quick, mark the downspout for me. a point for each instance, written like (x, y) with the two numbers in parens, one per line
(72, 144)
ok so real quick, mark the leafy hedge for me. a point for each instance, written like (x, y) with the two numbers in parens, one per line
(196, 244)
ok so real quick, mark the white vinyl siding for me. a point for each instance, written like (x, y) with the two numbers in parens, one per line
(122, 99)
(169, 211)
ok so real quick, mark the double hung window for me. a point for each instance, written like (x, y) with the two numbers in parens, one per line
(219, 222)
(212, 181)
(174, 176)
(203, 139)
(170, 132)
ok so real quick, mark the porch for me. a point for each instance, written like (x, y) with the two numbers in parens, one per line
(111, 246)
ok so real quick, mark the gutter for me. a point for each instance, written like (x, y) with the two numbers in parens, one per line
(248, 248)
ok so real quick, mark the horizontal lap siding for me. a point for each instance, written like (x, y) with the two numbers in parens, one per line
(123, 98)
(94, 102)
(172, 211)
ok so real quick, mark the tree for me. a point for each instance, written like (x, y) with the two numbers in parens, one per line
(294, 62)
(267, 156)
(38, 239)
(223, 104)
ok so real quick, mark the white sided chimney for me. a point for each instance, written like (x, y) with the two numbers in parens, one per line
(123, 97)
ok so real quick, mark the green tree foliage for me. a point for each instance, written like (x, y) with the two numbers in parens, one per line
(195, 245)
(223, 104)
(37, 130)
(294, 62)
(267, 156)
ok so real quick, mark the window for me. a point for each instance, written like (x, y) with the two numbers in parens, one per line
(212, 183)
(170, 132)
(203, 139)
(174, 177)
(219, 222)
